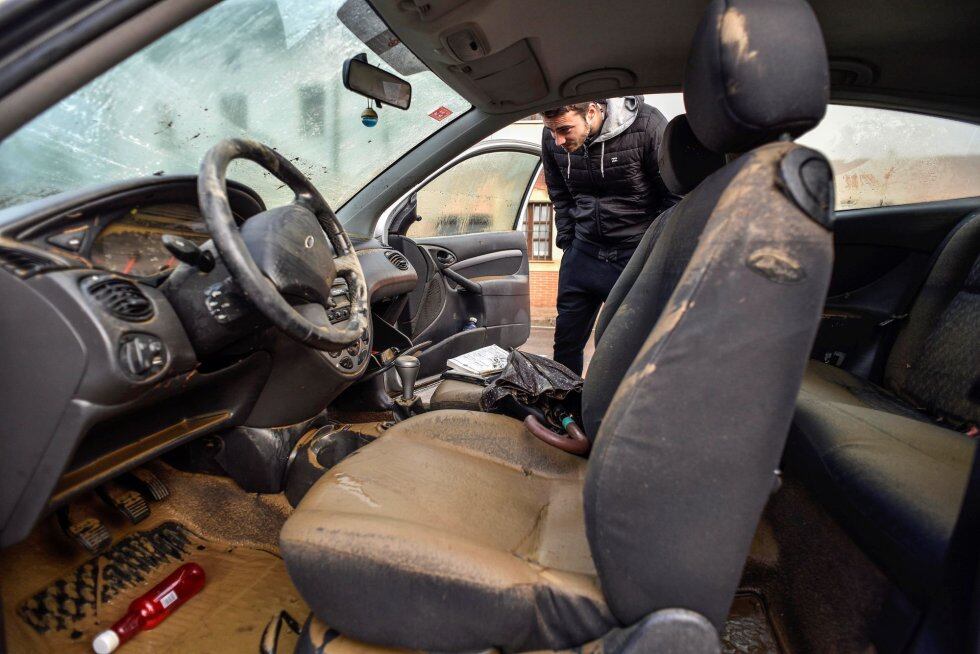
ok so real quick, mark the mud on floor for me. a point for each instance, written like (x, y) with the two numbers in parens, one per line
(245, 587)
(57, 597)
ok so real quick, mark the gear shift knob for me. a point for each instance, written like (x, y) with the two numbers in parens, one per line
(407, 368)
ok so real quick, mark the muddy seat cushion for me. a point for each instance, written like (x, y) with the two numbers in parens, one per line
(459, 524)
(892, 475)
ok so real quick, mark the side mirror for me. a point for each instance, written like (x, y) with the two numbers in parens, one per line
(376, 84)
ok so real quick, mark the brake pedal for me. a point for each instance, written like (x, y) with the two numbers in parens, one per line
(150, 484)
(129, 503)
(89, 533)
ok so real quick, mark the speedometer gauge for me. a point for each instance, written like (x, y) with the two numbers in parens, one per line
(132, 244)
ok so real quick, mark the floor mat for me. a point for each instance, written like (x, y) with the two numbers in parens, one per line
(245, 588)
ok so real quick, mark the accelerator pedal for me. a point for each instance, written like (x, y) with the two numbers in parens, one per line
(128, 502)
(89, 533)
(149, 484)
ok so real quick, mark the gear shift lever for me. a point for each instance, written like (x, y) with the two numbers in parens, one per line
(407, 368)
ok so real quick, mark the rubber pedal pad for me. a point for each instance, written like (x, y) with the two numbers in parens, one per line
(89, 533)
(150, 484)
(129, 503)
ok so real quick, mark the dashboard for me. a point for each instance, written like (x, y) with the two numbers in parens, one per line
(114, 353)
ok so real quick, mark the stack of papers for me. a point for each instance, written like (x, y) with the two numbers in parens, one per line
(484, 362)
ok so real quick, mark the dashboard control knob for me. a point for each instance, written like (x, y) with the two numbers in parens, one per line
(353, 348)
(347, 363)
(188, 252)
(223, 302)
(142, 355)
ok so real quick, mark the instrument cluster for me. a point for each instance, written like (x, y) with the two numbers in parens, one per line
(132, 244)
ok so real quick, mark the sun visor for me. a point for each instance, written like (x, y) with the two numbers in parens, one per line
(507, 79)
(360, 19)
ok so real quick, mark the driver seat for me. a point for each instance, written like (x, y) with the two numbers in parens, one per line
(459, 531)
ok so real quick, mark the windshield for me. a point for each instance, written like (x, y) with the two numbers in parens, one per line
(268, 70)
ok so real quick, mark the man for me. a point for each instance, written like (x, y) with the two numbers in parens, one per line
(600, 165)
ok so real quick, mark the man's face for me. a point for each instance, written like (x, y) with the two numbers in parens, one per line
(569, 129)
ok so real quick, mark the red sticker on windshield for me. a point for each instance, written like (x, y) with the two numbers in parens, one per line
(440, 113)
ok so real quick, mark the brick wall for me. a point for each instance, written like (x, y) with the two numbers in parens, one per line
(544, 288)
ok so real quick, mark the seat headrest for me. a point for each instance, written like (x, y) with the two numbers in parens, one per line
(757, 70)
(684, 161)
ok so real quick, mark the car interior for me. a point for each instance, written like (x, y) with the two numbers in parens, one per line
(225, 368)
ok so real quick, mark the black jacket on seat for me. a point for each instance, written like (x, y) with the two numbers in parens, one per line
(608, 191)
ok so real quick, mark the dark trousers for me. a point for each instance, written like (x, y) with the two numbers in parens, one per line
(586, 276)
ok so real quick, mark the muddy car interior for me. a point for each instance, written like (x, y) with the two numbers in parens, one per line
(213, 341)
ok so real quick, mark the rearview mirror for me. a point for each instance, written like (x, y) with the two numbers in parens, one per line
(376, 84)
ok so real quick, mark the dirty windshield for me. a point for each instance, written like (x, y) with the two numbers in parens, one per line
(268, 70)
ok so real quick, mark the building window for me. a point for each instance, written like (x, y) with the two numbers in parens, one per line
(539, 221)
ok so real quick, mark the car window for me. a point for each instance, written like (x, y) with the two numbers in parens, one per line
(884, 158)
(481, 194)
(268, 70)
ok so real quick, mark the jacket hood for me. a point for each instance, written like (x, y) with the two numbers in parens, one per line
(620, 114)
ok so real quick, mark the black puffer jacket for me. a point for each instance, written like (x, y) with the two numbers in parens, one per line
(609, 191)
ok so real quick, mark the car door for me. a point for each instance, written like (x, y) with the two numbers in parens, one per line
(903, 183)
(461, 230)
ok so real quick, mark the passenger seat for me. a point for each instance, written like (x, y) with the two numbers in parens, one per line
(893, 463)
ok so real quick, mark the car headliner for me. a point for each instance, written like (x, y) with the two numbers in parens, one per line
(919, 56)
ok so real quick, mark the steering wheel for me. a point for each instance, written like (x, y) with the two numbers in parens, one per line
(294, 251)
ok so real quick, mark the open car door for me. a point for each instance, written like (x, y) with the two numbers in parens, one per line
(462, 231)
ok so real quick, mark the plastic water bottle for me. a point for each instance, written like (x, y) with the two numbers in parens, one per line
(149, 610)
(470, 324)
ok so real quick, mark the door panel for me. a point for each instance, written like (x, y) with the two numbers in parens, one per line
(497, 261)
(881, 257)
(462, 223)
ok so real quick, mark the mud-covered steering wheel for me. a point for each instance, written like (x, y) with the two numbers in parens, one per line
(295, 251)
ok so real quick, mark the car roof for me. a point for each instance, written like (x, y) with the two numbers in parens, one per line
(512, 55)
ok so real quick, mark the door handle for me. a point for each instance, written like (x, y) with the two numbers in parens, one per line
(445, 257)
(467, 284)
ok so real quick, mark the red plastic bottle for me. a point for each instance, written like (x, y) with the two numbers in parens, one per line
(149, 610)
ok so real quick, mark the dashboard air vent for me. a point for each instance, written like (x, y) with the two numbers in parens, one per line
(23, 263)
(121, 298)
(396, 259)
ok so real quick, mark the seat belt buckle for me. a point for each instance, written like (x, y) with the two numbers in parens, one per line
(893, 318)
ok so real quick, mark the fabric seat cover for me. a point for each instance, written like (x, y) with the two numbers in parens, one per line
(893, 476)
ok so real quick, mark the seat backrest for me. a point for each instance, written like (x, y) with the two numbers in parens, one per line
(935, 362)
(652, 273)
(683, 461)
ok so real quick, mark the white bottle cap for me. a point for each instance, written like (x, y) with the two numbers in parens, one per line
(106, 642)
